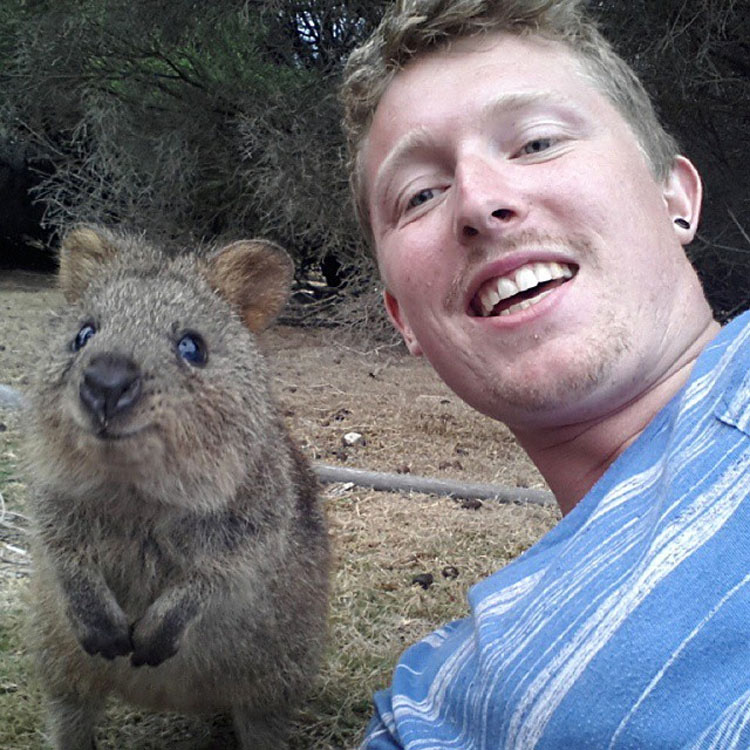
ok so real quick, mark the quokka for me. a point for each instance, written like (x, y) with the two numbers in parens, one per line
(181, 551)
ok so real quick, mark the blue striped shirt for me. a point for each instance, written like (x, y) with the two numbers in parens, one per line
(628, 624)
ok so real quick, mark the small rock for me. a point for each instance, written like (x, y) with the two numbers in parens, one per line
(11, 397)
(425, 580)
(353, 438)
(403, 469)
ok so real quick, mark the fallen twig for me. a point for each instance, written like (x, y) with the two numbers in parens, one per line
(409, 483)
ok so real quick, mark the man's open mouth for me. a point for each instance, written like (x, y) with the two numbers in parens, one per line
(522, 288)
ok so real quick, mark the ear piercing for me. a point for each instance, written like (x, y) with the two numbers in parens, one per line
(682, 223)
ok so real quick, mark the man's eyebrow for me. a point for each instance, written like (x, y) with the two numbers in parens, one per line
(420, 137)
(513, 102)
(412, 141)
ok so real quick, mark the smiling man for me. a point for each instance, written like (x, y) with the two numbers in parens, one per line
(529, 216)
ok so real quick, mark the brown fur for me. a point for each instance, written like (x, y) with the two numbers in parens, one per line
(181, 551)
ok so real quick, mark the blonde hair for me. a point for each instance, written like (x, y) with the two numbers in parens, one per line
(411, 28)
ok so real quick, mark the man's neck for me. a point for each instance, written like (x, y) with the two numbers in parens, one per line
(573, 457)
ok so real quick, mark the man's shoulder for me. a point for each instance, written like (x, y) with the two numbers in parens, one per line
(732, 381)
(733, 340)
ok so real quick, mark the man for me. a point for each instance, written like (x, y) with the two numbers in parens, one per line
(528, 215)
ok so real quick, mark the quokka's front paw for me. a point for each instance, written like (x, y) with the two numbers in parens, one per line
(108, 639)
(155, 639)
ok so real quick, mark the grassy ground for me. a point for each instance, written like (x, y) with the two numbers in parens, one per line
(381, 540)
(19, 701)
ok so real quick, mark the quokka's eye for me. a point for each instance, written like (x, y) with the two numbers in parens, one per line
(82, 337)
(192, 348)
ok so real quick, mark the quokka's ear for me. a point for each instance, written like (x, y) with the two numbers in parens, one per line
(83, 251)
(255, 277)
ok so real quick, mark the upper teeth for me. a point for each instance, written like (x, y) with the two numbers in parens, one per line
(523, 278)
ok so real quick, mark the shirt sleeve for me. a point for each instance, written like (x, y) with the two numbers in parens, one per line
(381, 731)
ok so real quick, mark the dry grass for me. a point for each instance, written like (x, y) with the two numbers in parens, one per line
(327, 387)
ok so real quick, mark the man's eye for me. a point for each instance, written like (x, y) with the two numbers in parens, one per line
(422, 197)
(537, 146)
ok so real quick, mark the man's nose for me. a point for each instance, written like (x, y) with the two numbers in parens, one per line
(487, 203)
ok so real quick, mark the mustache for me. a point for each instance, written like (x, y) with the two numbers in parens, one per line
(577, 246)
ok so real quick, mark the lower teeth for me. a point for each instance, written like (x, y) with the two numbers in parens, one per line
(526, 303)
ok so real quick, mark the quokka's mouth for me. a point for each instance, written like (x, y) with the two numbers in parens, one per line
(107, 434)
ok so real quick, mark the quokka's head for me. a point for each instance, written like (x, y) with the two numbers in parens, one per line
(151, 376)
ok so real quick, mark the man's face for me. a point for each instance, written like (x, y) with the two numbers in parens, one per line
(526, 248)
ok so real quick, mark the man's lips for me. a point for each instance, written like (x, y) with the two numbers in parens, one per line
(521, 288)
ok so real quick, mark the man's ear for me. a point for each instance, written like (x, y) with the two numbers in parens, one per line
(394, 313)
(683, 193)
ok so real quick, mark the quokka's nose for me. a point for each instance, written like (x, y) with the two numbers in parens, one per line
(111, 385)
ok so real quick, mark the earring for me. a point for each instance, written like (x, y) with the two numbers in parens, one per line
(682, 223)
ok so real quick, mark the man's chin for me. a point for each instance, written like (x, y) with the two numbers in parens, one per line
(540, 395)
